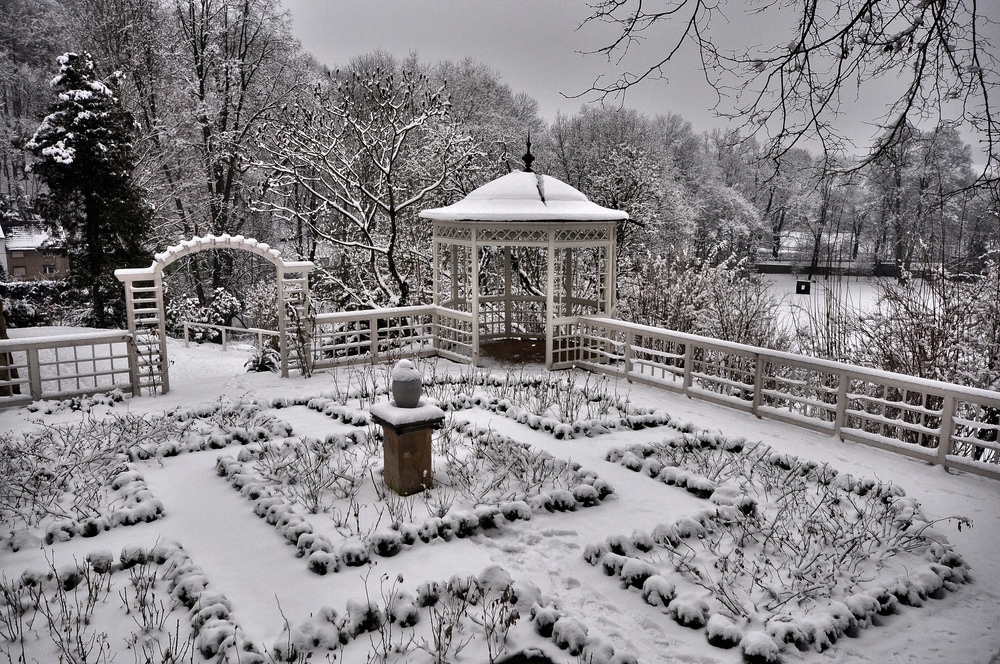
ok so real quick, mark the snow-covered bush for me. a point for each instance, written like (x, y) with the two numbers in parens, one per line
(354, 553)
(635, 572)
(570, 634)
(658, 591)
(544, 618)
(723, 632)
(264, 359)
(34, 303)
(759, 648)
(689, 609)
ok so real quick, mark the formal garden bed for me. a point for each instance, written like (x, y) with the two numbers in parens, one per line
(784, 557)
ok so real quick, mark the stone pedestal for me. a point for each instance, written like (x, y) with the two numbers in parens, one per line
(407, 444)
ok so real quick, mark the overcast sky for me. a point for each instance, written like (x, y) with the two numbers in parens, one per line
(539, 46)
(534, 44)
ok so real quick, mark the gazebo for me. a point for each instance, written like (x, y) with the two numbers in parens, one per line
(522, 253)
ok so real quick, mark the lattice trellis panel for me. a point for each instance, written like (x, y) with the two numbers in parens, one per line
(454, 273)
(452, 232)
(583, 235)
(582, 278)
(512, 235)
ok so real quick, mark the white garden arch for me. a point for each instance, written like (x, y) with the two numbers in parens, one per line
(144, 302)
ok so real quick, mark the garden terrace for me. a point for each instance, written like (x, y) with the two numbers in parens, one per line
(568, 508)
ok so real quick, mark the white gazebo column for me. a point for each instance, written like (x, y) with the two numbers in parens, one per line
(611, 257)
(436, 273)
(508, 293)
(474, 295)
(550, 267)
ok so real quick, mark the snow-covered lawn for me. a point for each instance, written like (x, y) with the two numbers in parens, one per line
(600, 515)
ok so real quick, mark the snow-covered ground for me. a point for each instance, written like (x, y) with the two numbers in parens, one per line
(855, 293)
(249, 561)
(860, 292)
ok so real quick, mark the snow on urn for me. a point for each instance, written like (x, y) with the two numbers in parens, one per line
(406, 423)
(406, 385)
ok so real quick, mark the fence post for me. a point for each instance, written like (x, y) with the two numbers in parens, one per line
(373, 336)
(947, 429)
(841, 417)
(688, 362)
(758, 383)
(34, 374)
(629, 341)
(223, 328)
(133, 365)
(435, 325)
(186, 342)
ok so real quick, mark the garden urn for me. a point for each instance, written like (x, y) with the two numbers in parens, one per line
(406, 384)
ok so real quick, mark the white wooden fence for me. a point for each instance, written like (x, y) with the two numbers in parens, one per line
(941, 423)
(59, 367)
(931, 420)
(378, 334)
(227, 332)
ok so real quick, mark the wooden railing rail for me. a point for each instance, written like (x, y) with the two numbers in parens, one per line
(939, 422)
(66, 366)
(224, 329)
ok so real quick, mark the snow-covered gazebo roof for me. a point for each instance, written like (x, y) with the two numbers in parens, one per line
(525, 196)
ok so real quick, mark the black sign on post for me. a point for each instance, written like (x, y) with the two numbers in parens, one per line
(802, 287)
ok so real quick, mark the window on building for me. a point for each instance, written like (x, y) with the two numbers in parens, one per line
(19, 271)
(48, 269)
(17, 254)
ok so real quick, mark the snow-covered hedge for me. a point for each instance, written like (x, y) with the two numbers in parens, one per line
(777, 558)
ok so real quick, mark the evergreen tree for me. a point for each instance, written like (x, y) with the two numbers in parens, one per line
(84, 147)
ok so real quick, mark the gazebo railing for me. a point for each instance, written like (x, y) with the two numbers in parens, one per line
(937, 422)
(60, 367)
(377, 334)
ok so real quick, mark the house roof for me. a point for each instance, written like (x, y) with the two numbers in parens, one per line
(26, 237)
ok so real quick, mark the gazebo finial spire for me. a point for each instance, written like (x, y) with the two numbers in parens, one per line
(528, 157)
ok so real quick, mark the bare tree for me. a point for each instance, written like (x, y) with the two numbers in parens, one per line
(32, 34)
(354, 163)
(835, 52)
